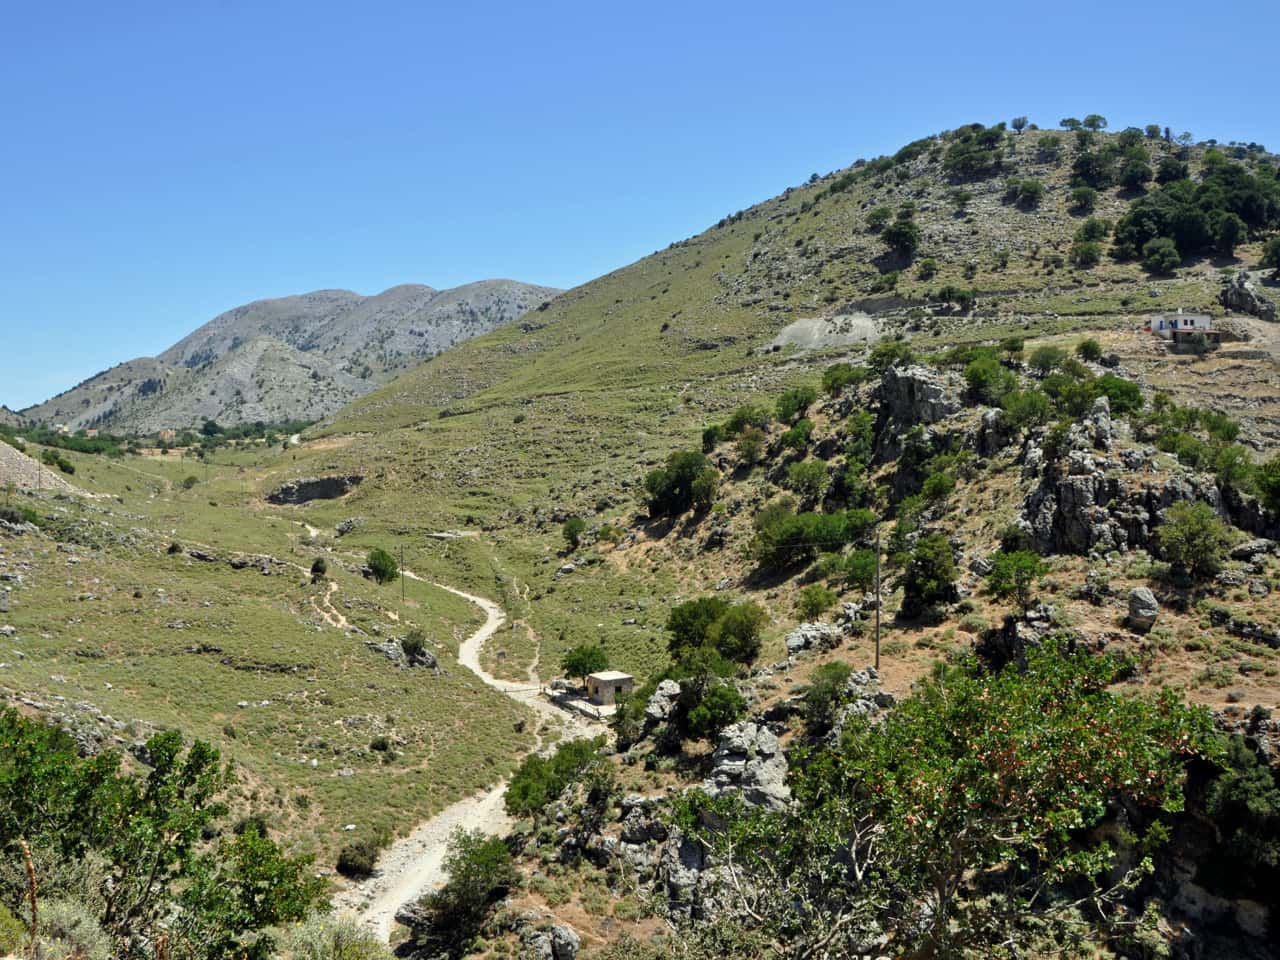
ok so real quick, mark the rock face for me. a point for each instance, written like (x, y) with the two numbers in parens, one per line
(1100, 423)
(911, 395)
(314, 488)
(1241, 294)
(1143, 609)
(813, 636)
(658, 709)
(749, 762)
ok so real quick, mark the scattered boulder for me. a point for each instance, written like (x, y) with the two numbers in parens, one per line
(314, 488)
(346, 526)
(1241, 294)
(1143, 609)
(813, 636)
(1252, 549)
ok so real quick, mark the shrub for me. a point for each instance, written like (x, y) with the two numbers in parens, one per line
(481, 872)
(189, 482)
(927, 269)
(384, 566)
(720, 706)
(1267, 478)
(840, 375)
(319, 567)
(712, 435)
(539, 780)
(1047, 358)
(1093, 229)
(736, 633)
(1049, 145)
(704, 489)
(745, 416)
(878, 217)
(330, 937)
(784, 538)
(975, 151)
(751, 445)
(890, 353)
(1271, 254)
(1089, 350)
(1085, 254)
(1171, 169)
(1125, 396)
(1014, 575)
(1012, 347)
(903, 237)
(1160, 255)
(937, 486)
(1228, 232)
(670, 488)
(814, 600)
(988, 381)
(572, 530)
(809, 478)
(1193, 539)
(823, 697)
(794, 402)
(797, 438)
(1025, 193)
(930, 576)
(688, 623)
(1027, 408)
(414, 644)
(359, 858)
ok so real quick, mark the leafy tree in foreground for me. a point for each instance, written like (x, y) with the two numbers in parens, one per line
(961, 820)
(480, 873)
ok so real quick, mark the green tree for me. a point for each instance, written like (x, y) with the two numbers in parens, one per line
(481, 872)
(688, 623)
(794, 402)
(814, 600)
(1267, 478)
(937, 486)
(878, 217)
(840, 375)
(319, 568)
(1069, 123)
(1095, 228)
(808, 478)
(751, 445)
(1085, 254)
(1012, 347)
(383, 565)
(930, 577)
(927, 269)
(890, 353)
(903, 237)
(1193, 539)
(1170, 170)
(1229, 231)
(1095, 122)
(1271, 254)
(1084, 198)
(573, 529)
(736, 633)
(797, 438)
(720, 706)
(1047, 358)
(1027, 408)
(1160, 255)
(670, 488)
(706, 485)
(824, 696)
(1018, 123)
(583, 660)
(1015, 575)
(1089, 350)
(988, 381)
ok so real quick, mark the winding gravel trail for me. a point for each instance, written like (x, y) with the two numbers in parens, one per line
(414, 865)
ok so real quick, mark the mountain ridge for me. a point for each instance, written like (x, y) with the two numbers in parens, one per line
(311, 354)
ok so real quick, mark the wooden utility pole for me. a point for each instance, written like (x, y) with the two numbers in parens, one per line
(402, 574)
(877, 598)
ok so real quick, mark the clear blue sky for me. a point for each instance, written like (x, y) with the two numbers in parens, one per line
(162, 162)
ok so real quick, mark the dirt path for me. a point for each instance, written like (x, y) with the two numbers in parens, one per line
(414, 865)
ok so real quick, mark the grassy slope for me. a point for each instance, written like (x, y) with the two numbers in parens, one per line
(560, 413)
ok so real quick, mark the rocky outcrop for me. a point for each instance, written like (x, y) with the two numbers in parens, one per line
(314, 488)
(1143, 609)
(749, 763)
(1239, 293)
(813, 636)
(911, 395)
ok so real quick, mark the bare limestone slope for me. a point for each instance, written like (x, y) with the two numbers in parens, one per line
(297, 357)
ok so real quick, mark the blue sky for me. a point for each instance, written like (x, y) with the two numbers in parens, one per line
(163, 162)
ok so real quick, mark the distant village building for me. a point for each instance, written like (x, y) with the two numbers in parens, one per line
(61, 429)
(167, 436)
(607, 686)
(1180, 327)
(91, 433)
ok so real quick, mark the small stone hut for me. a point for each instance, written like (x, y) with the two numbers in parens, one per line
(604, 688)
